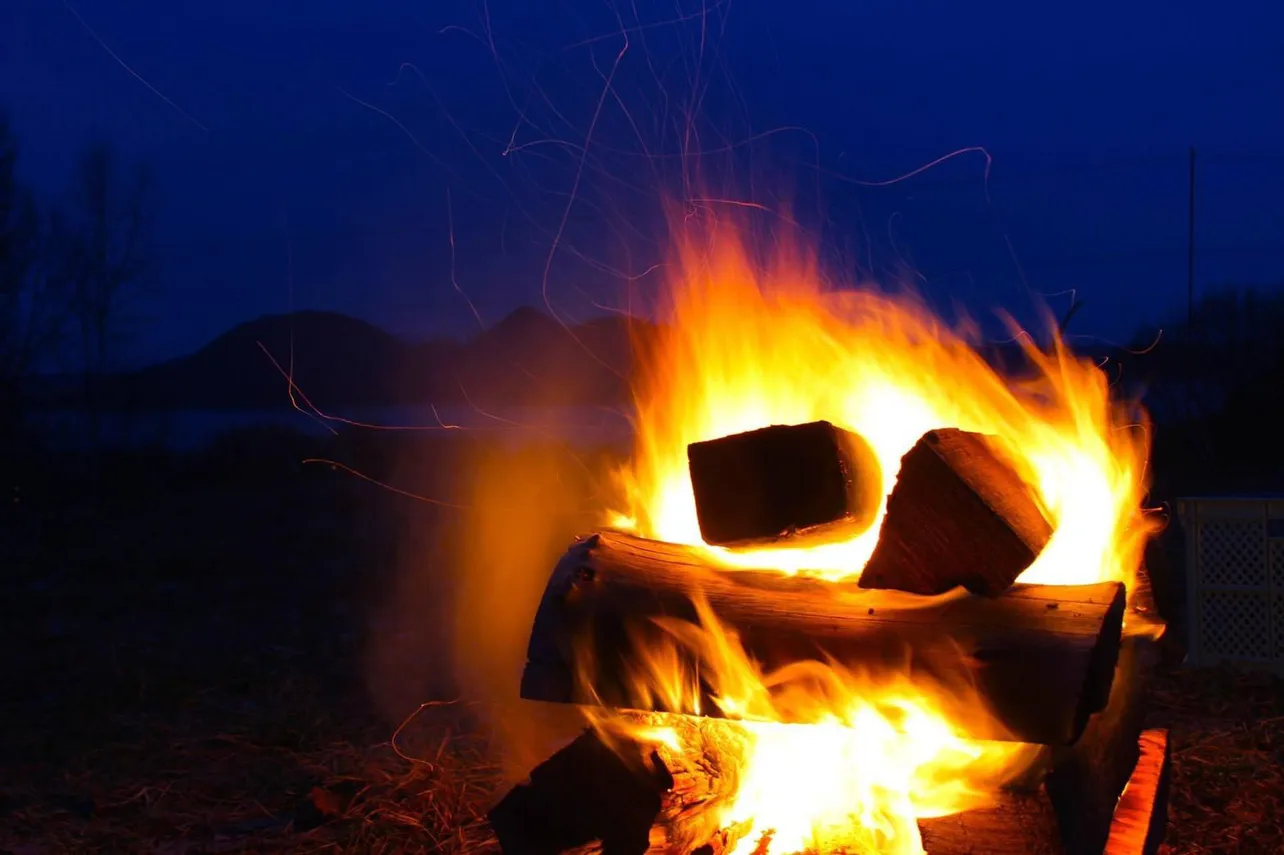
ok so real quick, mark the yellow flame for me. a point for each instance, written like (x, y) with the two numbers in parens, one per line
(870, 758)
(748, 345)
(748, 342)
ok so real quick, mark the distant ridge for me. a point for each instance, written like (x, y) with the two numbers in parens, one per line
(528, 358)
(340, 361)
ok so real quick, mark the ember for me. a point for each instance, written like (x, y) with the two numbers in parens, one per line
(846, 718)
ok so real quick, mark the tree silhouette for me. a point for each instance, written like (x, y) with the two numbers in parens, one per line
(100, 242)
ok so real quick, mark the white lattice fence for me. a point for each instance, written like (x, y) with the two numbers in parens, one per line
(1235, 580)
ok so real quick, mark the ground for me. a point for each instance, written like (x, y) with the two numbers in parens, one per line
(185, 658)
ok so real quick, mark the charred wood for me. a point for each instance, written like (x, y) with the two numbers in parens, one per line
(621, 796)
(625, 797)
(1086, 779)
(806, 482)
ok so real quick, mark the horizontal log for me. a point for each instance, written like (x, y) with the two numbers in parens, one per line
(590, 798)
(1040, 658)
(960, 514)
(804, 483)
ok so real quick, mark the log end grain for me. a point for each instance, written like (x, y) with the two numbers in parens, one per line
(960, 514)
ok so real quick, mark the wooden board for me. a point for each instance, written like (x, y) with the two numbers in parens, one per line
(1041, 658)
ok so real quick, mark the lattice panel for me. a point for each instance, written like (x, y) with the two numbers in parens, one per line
(1232, 552)
(1277, 619)
(1277, 564)
(1236, 625)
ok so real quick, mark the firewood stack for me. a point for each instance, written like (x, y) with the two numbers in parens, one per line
(938, 599)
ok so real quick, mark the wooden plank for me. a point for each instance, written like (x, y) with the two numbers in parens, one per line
(1141, 818)
(802, 483)
(1041, 658)
(959, 514)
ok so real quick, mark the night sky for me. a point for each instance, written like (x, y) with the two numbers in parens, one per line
(322, 154)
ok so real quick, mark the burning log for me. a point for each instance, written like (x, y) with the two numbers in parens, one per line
(622, 795)
(1142, 814)
(1087, 778)
(594, 797)
(803, 482)
(959, 515)
(1040, 658)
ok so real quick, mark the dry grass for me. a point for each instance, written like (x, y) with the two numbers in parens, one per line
(1228, 764)
(246, 787)
(178, 682)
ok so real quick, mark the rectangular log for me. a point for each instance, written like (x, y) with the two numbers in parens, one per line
(959, 514)
(806, 483)
(592, 798)
(1040, 658)
(1086, 779)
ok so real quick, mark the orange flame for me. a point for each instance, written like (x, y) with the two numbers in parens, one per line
(750, 342)
(749, 346)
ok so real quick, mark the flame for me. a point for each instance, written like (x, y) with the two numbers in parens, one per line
(872, 757)
(749, 345)
(750, 341)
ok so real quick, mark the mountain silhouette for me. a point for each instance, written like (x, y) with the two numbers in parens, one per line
(334, 360)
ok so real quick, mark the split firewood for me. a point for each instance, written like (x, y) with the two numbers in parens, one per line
(959, 515)
(596, 796)
(806, 483)
(618, 794)
(1142, 815)
(1039, 658)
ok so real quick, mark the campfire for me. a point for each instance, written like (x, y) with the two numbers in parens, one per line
(864, 593)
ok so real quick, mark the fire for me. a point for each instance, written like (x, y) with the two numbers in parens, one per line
(750, 341)
(872, 758)
(750, 344)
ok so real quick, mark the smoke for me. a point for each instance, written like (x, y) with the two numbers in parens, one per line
(454, 620)
(527, 507)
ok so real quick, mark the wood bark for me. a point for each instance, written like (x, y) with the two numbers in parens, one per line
(959, 514)
(1040, 658)
(804, 483)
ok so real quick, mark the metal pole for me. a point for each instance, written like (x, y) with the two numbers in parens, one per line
(1190, 247)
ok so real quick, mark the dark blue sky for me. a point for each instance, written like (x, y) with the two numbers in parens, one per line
(280, 187)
